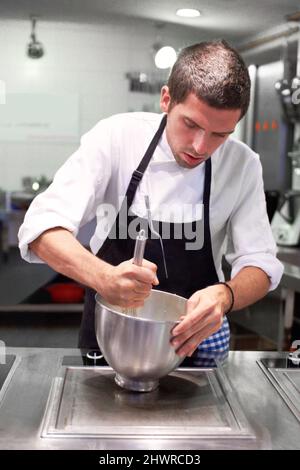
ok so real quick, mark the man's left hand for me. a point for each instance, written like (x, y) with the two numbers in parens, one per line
(203, 317)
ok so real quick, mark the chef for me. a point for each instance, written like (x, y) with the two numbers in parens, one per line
(206, 195)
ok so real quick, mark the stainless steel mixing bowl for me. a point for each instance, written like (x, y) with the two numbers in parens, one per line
(138, 347)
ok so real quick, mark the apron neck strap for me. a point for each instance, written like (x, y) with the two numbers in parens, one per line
(207, 182)
(138, 174)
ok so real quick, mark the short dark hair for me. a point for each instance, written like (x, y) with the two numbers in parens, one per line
(215, 73)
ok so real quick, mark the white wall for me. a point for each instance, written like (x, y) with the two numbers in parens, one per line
(84, 60)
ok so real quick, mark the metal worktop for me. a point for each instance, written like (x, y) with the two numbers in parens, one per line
(23, 405)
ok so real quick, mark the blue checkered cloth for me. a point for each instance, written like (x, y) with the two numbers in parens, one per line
(219, 341)
(214, 347)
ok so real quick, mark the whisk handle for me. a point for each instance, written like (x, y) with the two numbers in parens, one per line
(139, 248)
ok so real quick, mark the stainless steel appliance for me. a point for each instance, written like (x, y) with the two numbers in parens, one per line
(195, 404)
(286, 220)
(284, 374)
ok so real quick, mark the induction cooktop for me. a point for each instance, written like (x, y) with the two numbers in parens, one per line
(284, 375)
(195, 404)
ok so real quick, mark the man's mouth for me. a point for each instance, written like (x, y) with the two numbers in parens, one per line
(192, 158)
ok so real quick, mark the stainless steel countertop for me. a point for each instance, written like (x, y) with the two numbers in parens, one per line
(23, 405)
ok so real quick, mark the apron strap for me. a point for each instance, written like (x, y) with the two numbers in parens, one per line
(207, 185)
(138, 174)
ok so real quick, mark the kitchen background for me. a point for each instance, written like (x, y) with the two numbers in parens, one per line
(99, 60)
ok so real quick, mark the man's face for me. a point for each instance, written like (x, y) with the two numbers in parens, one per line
(194, 129)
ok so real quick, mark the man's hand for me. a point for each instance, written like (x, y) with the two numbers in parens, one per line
(204, 316)
(128, 285)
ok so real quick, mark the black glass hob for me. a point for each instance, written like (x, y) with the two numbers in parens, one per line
(95, 358)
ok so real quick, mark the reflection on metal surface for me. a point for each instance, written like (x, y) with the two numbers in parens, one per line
(136, 385)
(285, 376)
(7, 370)
(94, 355)
(190, 403)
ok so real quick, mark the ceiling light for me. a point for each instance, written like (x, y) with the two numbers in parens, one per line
(165, 57)
(188, 12)
(35, 186)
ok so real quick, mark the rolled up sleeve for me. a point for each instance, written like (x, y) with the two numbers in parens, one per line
(250, 240)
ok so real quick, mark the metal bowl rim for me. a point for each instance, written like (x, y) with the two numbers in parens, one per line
(149, 320)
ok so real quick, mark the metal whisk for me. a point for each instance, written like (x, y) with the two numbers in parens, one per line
(139, 248)
(154, 232)
(138, 256)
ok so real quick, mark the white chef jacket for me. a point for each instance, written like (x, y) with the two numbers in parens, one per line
(100, 170)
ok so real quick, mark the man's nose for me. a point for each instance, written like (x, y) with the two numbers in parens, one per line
(200, 143)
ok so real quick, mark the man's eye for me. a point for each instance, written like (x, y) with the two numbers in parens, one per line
(189, 124)
(219, 136)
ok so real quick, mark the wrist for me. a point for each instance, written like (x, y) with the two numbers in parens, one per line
(226, 296)
(100, 275)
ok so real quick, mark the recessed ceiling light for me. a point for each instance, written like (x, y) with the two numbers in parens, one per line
(165, 57)
(188, 12)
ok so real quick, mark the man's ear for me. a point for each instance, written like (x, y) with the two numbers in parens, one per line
(165, 99)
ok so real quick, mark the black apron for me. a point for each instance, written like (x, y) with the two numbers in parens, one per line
(188, 270)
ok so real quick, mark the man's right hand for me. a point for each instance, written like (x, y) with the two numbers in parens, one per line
(128, 285)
